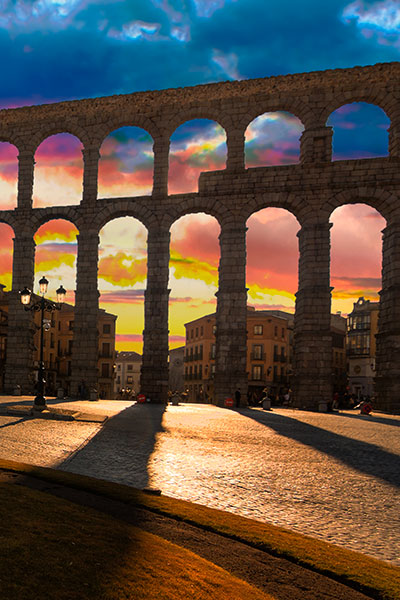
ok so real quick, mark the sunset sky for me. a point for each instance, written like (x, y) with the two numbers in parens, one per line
(68, 49)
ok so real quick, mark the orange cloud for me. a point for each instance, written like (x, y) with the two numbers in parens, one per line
(122, 269)
(58, 229)
(48, 259)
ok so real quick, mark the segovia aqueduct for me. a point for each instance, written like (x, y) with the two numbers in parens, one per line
(311, 190)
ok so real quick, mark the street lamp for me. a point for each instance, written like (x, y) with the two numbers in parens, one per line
(42, 305)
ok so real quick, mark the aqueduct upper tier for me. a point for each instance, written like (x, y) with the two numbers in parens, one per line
(311, 190)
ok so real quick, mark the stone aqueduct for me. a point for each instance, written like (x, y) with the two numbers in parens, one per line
(310, 190)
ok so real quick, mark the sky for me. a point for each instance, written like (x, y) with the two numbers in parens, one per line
(70, 49)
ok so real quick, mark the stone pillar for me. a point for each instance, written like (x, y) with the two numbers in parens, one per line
(85, 349)
(235, 141)
(394, 140)
(91, 156)
(20, 345)
(160, 175)
(387, 380)
(231, 333)
(316, 145)
(154, 371)
(312, 380)
(26, 163)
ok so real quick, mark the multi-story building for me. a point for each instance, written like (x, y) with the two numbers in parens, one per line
(267, 354)
(362, 326)
(57, 350)
(127, 374)
(57, 346)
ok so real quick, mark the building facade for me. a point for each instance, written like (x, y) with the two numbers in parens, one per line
(362, 328)
(311, 190)
(58, 340)
(267, 356)
(127, 374)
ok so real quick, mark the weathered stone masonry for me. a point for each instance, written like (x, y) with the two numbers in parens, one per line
(311, 190)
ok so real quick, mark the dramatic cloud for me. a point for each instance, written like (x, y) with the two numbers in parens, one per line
(380, 20)
(123, 297)
(122, 269)
(126, 163)
(196, 146)
(273, 139)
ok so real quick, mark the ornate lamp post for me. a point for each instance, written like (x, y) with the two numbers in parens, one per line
(42, 305)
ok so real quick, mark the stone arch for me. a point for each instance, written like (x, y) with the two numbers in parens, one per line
(199, 112)
(8, 174)
(66, 185)
(125, 209)
(382, 200)
(103, 130)
(193, 272)
(122, 275)
(7, 234)
(272, 238)
(386, 102)
(296, 107)
(369, 131)
(65, 127)
(207, 206)
(124, 166)
(188, 160)
(41, 216)
(293, 203)
(286, 140)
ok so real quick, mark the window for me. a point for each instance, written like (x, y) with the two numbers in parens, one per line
(197, 332)
(106, 349)
(70, 325)
(276, 330)
(214, 329)
(283, 333)
(129, 379)
(258, 329)
(106, 328)
(257, 372)
(129, 367)
(191, 333)
(118, 379)
(70, 344)
(257, 352)
(213, 351)
(276, 357)
(201, 330)
(118, 367)
(105, 370)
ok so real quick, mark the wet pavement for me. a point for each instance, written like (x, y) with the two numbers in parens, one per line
(333, 476)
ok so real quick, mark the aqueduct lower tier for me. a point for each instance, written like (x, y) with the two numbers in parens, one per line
(311, 190)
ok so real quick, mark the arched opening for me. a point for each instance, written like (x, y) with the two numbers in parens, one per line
(8, 176)
(360, 130)
(58, 171)
(272, 281)
(122, 284)
(6, 254)
(196, 146)
(55, 259)
(272, 139)
(193, 282)
(356, 259)
(126, 163)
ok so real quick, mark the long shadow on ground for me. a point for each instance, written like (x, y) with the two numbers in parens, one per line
(121, 451)
(361, 456)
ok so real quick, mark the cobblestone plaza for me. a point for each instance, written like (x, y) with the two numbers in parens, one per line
(331, 476)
